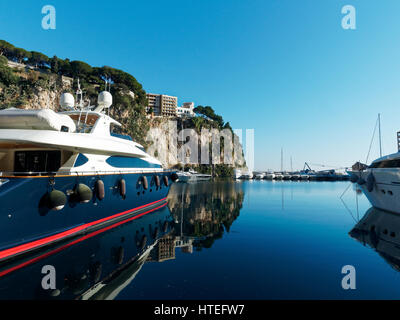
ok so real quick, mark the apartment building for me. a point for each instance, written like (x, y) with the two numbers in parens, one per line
(162, 105)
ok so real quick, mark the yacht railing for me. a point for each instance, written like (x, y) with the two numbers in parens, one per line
(5, 174)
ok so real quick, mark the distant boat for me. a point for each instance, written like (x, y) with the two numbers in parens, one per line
(183, 176)
(193, 176)
(260, 176)
(304, 177)
(287, 176)
(296, 177)
(247, 175)
(237, 174)
(270, 176)
(278, 176)
(325, 175)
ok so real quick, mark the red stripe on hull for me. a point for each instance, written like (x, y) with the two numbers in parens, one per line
(70, 244)
(59, 236)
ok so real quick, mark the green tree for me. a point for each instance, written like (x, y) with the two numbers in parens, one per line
(38, 59)
(3, 61)
(80, 69)
(55, 65)
(20, 55)
(7, 77)
(6, 48)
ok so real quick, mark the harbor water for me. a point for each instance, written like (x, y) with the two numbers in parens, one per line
(222, 240)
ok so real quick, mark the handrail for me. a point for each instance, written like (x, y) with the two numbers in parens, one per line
(9, 174)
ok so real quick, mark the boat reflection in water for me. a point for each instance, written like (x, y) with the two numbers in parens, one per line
(100, 264)
(380, 230)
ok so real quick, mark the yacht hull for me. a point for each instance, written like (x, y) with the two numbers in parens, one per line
(28, 224)
(386, 188)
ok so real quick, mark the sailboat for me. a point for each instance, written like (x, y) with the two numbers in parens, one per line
(380, 182)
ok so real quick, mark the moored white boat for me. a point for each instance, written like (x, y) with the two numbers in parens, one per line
(278, 176)
(260, 176)
(270, 176)
(70, 162)
(193, 176)
(247, 175)
(237, 173)
(380, 182)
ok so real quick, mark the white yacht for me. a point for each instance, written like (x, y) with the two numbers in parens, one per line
(247, 175)
(380, 182)
(193, 176)
(237, 174)
(270, 176)
(278, 176)
(260, 176)
(70, 162)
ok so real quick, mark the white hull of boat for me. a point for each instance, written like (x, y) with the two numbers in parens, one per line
(385, 194)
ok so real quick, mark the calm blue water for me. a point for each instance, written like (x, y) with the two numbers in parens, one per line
(229, 240)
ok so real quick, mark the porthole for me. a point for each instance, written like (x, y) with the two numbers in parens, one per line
(383, 191)
(390, 192)
(392, 234)
(385, 231)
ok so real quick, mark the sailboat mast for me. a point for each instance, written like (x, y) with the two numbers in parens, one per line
(380, 137)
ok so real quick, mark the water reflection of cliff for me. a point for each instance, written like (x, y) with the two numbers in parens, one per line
(204, 211)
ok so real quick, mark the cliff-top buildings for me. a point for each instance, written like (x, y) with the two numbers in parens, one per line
(167, 106)
(186, 110)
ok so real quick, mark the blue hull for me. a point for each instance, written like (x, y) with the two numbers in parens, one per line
(107, 258)
(27, 223)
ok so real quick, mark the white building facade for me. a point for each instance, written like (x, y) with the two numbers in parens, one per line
(186, 110)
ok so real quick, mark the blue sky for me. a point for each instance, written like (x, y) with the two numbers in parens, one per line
(284, 68)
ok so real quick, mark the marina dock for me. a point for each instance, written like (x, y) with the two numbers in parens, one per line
(326, 175)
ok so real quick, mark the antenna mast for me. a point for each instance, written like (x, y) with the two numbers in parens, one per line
(79, 95)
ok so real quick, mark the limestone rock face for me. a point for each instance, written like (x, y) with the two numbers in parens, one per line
(44, 99)
(172, 146)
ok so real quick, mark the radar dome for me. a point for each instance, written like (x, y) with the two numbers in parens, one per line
(105, 99)
(67, 101)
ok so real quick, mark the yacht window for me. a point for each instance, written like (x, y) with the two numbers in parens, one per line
(128, 162)
(85, 121)
(395, 163)
(37, 161)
